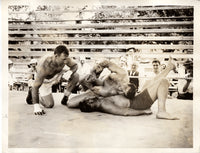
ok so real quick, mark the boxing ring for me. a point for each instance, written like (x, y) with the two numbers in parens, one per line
(62, 127)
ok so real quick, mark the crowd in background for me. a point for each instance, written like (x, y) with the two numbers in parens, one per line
(182, 79)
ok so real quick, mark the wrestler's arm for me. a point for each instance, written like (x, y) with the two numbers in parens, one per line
(36, 85)
(41, 73)
(74, 101)
(72, 65)
(114, 68)
(102, 91)
(107, 106)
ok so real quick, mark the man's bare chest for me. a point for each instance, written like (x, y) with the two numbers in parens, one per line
(53, 71)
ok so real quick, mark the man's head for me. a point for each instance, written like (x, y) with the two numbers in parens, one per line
(97, 69)
(156, 65)
(134, 66)
(61, 54)
(89, 105)
(130, 92)
(61, 49)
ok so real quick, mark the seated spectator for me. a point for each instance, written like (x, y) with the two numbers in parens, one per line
(185, 87)
(133, 72)
(156, 66)
(123, 62)
(155, 71)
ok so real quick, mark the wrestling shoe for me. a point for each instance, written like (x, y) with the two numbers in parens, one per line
(64, 100)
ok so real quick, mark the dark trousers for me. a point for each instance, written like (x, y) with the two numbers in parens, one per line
(186, 96)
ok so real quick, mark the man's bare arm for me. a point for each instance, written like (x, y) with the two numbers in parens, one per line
(114, 68)
(102, 91)
(74, 101)
(109, 107)
(35, 89)
(72, 65)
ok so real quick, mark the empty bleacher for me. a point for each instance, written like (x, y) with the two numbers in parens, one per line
(106, 31)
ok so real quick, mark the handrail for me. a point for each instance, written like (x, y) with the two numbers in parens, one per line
(141, 46)
(92, 31)
(139, 38)
(102, 19)
(101, 25)
(102, 54)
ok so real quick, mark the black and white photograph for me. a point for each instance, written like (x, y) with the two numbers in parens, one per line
(100, 76)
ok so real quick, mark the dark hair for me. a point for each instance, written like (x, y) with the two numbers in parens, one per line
(131, 92)
(155, 61)
(85, 107)
(61, 49)
(188, 64)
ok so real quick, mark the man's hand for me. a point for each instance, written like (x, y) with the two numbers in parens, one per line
(38, 110)
(96, 90)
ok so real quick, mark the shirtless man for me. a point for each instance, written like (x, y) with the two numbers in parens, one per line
(50, 69)
(114, 96)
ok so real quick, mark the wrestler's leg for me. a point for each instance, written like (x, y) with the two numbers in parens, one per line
(29, 96)
(158, 89)
(47, 101)
(162, 96)
(170, 66)
(46, 97)
(74, 101)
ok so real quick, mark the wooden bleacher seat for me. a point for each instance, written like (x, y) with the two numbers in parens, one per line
(107, 37)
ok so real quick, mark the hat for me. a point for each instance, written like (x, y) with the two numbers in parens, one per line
(33, 61)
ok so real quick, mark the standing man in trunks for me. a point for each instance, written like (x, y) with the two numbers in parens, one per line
(50, 69)
(115, 96)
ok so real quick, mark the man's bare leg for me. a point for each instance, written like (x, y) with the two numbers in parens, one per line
(162, 96)
(158, 89)
(74, 101)
(47, 101)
